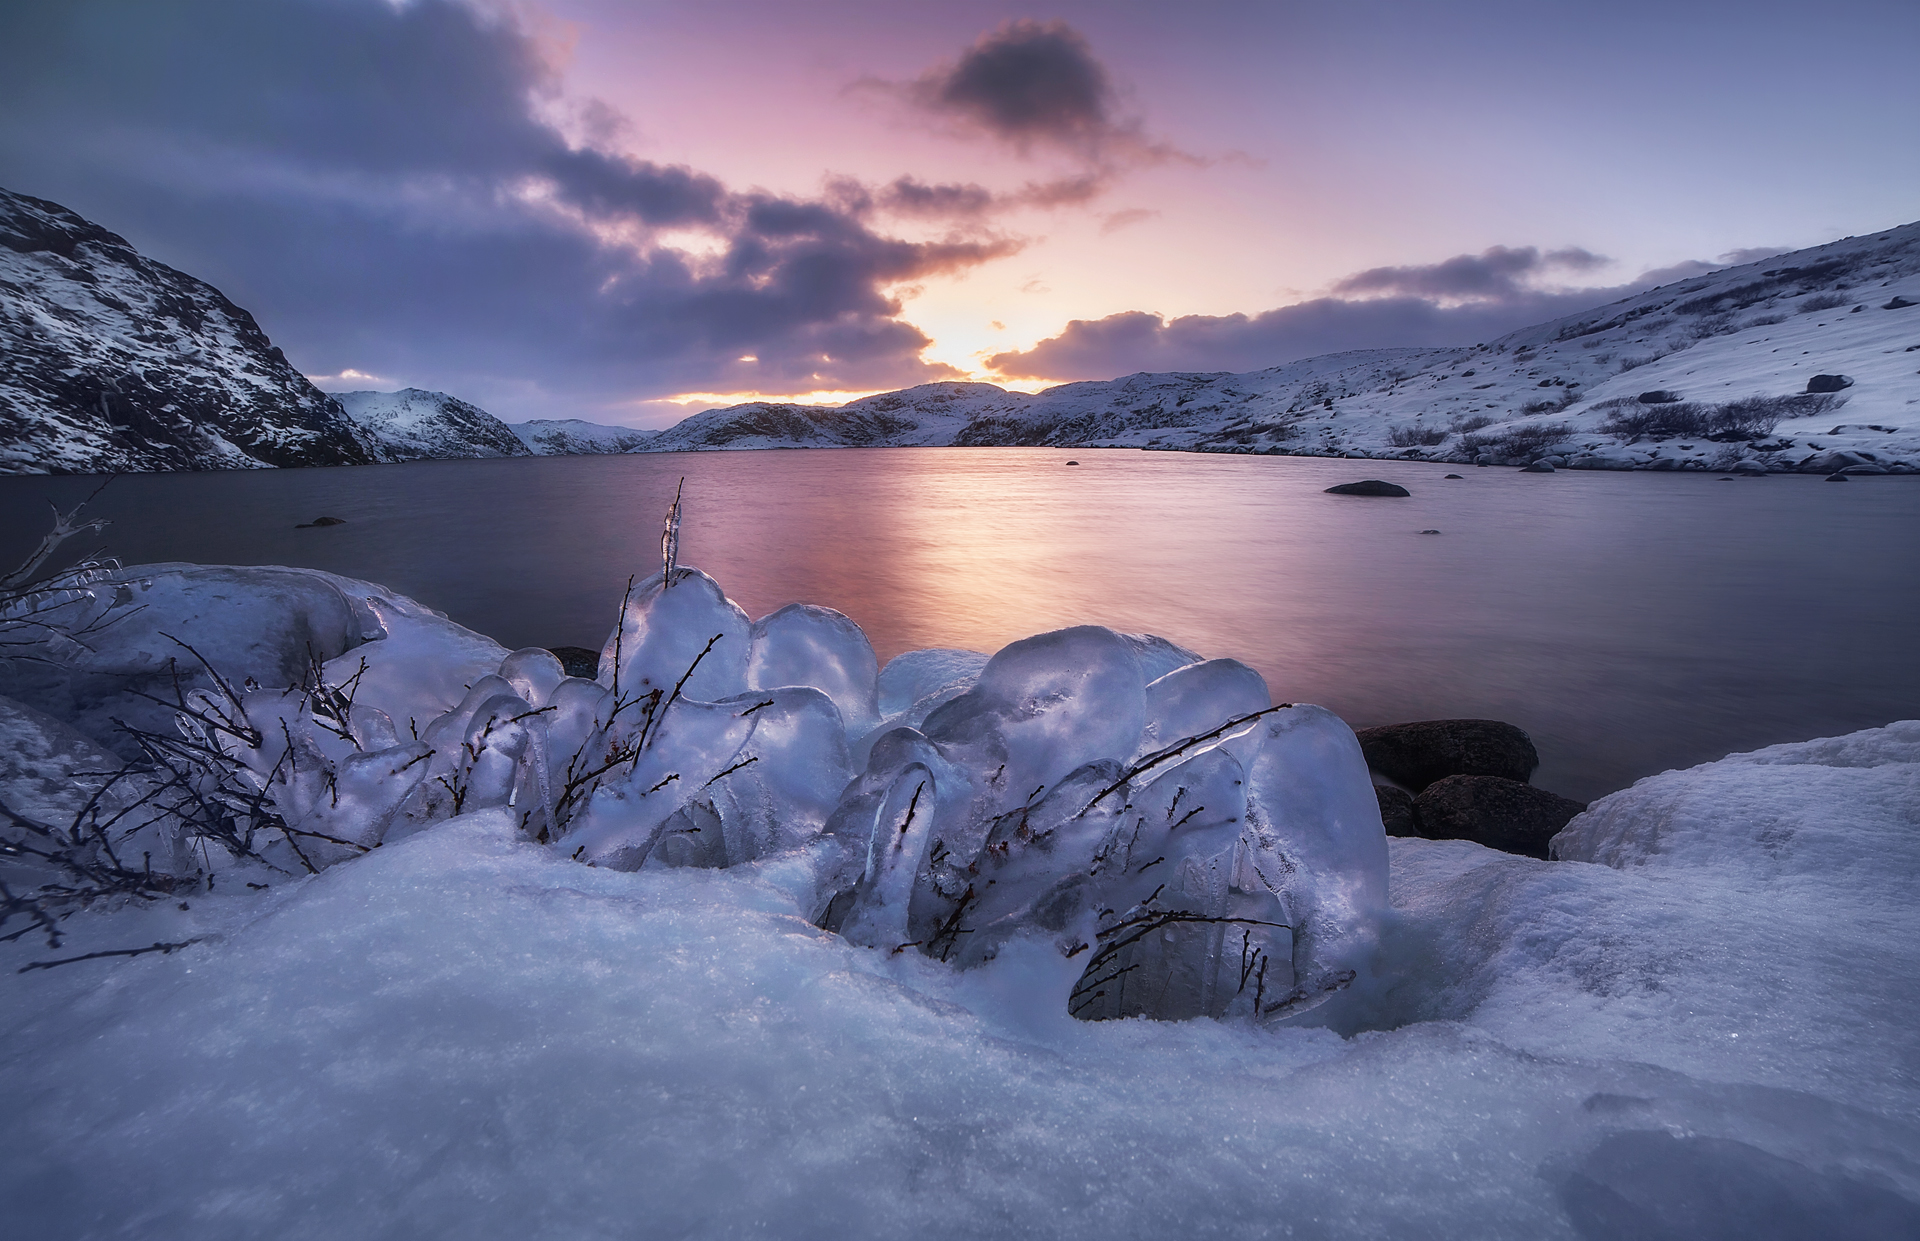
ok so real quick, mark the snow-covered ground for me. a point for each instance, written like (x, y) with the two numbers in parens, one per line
(1706, 1031)
(1565, 390)
(572, 437)
(413, 425)
(1700, 1021)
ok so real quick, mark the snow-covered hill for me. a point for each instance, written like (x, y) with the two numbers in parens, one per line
(411, 425)
(110, 361)
(1708, 373)
(571, 437)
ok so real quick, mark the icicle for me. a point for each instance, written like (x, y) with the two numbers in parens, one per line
(670, 537)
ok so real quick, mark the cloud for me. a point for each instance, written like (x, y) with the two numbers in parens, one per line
(1460, 301)
(911, 197)
(376, 182)
(1027, 82)
(1035, 87)
(1496, 274)
(1118, 220)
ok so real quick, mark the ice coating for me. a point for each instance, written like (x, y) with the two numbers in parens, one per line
(806, 645)
(1142, 811)
(1313, 804)
(910, 677)
(671, 625)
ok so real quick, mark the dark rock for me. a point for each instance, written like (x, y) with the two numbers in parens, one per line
(1073, 463)
(1829, 383)
(1899, 303)
(1538, 467)
(1500, 814)
(321, 521)
(1429, 532)
(1396, 810)
(1368, 487)
(1836, 478)
(1450, 476)
(577, 661)
(1660, 396)
(1417, 754)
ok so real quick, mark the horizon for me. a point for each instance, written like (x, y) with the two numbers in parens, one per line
(545, 209)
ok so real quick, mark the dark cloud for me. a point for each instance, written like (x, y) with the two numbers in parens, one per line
(1037, 85)
(908, 196)
(1139, 341)
(1027, 82)
(1498, 273)
(1461, 301)
(376, 184)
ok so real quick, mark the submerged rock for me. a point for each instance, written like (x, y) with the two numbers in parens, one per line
(1368, 487)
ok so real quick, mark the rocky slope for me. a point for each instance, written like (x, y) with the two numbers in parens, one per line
(110, 361)
(412, 425)
(1716, 372)
(571, 437)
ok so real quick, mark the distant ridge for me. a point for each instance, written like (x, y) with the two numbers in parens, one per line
(1738, 348)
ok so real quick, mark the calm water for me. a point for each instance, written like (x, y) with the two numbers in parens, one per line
(1630, 622)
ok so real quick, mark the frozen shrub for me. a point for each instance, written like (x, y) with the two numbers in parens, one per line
(1413, 435)
(1820, 301)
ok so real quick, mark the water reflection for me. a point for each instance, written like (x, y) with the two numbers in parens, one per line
(1631, 622)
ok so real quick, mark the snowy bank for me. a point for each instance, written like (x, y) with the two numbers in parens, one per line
(397, 1003)
(466, 1035)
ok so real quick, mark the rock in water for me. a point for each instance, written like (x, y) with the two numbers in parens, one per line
(1368, 487)
(578, 661)
(1538, 467)
(1415, 755)
(1500, 814)
(1396, 810)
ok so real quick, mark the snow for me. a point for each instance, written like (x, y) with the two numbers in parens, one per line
(465, 1034)
(412, 425)
(572, 437)
(1758, 330)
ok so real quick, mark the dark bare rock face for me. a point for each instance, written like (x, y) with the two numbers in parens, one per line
(1829, 383)
(1396, 810)
(110, 361)
(1500, 814)
(1369, 487)
(1415, 755)
(577, 661)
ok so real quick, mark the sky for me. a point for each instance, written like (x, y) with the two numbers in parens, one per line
(630, 211)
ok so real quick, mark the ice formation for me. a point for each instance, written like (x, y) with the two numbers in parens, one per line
(1197, 850)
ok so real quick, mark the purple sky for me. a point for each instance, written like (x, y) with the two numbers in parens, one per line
(628, 211)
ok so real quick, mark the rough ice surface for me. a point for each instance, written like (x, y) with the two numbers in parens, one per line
(1702, 1027)
(464, 1034)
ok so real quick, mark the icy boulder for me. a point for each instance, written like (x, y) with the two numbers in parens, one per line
(806, 645)
(678, 632)
(1211, 854)
(151, 626)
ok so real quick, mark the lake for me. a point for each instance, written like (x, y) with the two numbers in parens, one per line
(1630, 622)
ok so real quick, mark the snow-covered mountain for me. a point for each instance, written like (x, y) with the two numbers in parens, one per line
(412, 425)
(1706, 373)
(570, 437)
(110, 361)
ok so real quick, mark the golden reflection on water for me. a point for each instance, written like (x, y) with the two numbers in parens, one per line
(1630, 622)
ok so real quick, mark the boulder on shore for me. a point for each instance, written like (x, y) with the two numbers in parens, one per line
(1369, 487)
(1417, 754)
(1396, 810)
(1500, 814)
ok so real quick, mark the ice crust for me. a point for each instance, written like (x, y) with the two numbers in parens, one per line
(1703, 1027)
